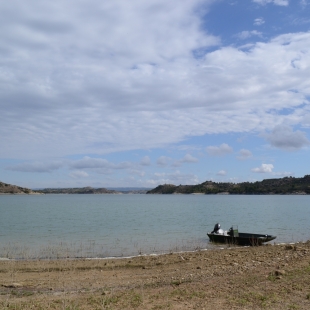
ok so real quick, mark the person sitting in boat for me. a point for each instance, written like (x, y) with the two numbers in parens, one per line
(217, 229)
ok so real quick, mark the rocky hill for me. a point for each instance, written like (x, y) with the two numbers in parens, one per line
(78, 190)
(13, 189)
(287, 185)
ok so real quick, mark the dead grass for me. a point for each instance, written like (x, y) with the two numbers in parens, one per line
(267, 277)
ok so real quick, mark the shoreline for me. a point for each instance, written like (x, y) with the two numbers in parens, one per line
(269, 276)
(219, 248)
(20, 252)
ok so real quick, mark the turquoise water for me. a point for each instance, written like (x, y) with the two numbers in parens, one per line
(122, 225)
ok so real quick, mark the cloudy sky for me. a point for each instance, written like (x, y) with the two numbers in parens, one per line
(140, 93)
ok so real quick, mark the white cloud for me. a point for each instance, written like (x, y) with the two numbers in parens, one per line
(189, 159)
(175, 178)
(186, 159)
(220, 150)
(119, 76)
(301, 21)
(90, 163)
(276, 2)
(222, 172)
(264, 168)
(306, 120)
(304, 3)
(283, 174)
(145, 161)
(137, 172)
(247, 34)
(283, 137)
(95, 163)
(79, 174)
(259, 21)
(122, 165)
(163, 161)
(244, 154)
(40, 167)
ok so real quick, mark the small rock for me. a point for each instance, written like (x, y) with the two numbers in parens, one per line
(289, 247)
(105, 293)
(279, 272)
(12, 285)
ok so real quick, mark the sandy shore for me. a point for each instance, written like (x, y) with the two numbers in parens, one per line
(266, 277)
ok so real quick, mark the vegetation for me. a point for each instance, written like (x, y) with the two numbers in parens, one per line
(90, 190)
(287, 185)
(78, 190)
(13, 189)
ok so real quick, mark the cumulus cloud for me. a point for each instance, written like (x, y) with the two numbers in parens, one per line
(283, 137)
(276, 2)
(244, 154)
(175, 178)
(137, 172)
(189, 159)
(220, 150)
(145, 161)
(163, 161)
(186, 159)
(222, 172)
(306, 120)
(65, 90)
(247, 34)
(259, 21)
(264, 168)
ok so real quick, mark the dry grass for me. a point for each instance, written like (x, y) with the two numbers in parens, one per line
(267, 277)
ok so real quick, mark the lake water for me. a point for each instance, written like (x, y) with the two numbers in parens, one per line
(50, 226)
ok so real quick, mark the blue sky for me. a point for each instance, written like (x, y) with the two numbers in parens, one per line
(141, 93)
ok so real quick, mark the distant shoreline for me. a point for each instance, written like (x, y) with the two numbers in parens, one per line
(282, 186)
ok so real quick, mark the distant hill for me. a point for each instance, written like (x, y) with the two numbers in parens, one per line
(91, 190)
(13, 189)
(77, 190)
(284, 186)
(287, 185)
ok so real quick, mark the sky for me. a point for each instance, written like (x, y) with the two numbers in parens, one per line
(141, 93)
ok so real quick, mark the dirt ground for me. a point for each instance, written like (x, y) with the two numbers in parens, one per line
(265, 277)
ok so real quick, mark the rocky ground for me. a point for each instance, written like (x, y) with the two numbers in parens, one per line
(266, 277)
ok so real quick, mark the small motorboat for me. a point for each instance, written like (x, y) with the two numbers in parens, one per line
(233, 236)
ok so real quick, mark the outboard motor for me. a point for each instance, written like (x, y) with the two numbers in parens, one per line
(216, 228)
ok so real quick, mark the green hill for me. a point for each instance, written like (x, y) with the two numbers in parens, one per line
(287, 185)
(77, 190)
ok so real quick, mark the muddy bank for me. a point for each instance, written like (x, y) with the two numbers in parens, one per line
(270, 277)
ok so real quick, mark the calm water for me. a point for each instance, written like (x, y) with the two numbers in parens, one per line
(122, 225)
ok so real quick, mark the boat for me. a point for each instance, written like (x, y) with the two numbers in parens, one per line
(234, 237)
